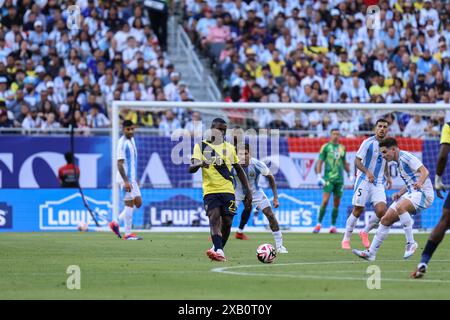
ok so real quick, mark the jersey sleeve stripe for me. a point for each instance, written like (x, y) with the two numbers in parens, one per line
(369, 155)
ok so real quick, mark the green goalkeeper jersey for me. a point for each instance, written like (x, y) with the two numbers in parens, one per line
(333, 155)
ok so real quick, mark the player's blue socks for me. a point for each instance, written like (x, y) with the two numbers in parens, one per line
(217, 241)
(244, 218)
(428, 251)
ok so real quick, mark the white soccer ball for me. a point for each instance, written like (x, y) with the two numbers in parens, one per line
(266, 253)
(82, 226)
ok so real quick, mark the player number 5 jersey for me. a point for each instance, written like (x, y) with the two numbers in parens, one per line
(369, 153)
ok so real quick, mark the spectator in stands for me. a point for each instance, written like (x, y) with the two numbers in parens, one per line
(416, 127)
(96, 119)
(4, 121)
(195, 125)
(169, 124)
(69, 174)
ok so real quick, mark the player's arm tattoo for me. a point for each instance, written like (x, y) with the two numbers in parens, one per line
(360, 166)
(424, 174)
(122, 170)
(273, 185)
(442, 159)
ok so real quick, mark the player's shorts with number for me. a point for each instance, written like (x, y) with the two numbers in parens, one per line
(365, 192)
(225, 201)
(421, 199)
(259, 199)
(336, 188)
(134, 193)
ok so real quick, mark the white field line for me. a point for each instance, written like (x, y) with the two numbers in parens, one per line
(226, 270)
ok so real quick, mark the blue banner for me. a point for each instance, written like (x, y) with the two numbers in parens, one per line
(63, 210)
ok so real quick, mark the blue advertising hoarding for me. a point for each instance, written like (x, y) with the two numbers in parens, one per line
(62, 210)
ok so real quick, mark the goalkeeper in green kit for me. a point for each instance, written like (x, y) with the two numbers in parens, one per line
(333, 155)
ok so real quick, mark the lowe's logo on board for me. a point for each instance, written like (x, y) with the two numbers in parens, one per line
(5, 216)
(292, 212)
(177, 211)
(67, 213)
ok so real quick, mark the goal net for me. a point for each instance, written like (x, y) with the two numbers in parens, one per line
(287, 137)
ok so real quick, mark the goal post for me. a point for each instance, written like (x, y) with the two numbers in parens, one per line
(170, 193)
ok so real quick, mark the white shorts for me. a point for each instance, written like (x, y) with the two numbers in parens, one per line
(134, 193)
(421, 200)
(368, 192)
(259, 200)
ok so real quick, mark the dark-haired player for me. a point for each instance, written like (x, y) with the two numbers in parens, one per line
(416, 195)
(254, 168)
(127, 177)
(216, 158)
(438, 232)
(369, 184)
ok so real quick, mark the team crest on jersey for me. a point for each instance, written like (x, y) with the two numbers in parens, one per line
(304, 166)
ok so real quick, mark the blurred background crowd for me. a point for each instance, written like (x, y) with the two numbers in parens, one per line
(307, 51)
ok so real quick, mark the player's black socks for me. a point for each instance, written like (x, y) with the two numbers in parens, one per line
(244, 217)
(217, 241)
(428, 251)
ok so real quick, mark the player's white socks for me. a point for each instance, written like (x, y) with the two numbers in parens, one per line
(381, 234)
(122, 215)
(407, 223)
(373, 222)
(128, 219)
(278, 237)
(350, 225)
(240, 231)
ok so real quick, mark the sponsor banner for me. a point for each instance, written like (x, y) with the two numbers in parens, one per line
(63, 209)
(33, 162)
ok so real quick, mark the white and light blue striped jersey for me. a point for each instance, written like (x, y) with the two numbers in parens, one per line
(408, 164)
(369, 153)
(253, 171)
(126, 150)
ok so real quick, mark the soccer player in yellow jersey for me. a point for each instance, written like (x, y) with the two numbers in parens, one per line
(438, 232)
(217, 157)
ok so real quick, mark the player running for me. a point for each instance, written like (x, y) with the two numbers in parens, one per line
(127, 167)
(372, 172)
(253, 168)
(216, 157)
(333, 155)
(438, 232)
(417, 195)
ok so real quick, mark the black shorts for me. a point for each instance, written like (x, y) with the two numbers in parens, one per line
(225, 201)
(447, 201)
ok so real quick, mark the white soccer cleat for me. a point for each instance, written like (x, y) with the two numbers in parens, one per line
(282, 249)
(420, 271)
(364, 254)
(410, 249)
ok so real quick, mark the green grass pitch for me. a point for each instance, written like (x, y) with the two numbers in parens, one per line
(174, 266)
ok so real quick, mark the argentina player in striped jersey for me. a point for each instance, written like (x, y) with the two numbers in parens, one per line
(369, 185)
(253, 169)
(416, 195)
(127, 177)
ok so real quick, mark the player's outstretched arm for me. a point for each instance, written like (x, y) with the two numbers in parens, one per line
(273, 186)
(361, 167)
(197, 164)
(424, 174)
(440, 167)
(243, 177)
(122, 173)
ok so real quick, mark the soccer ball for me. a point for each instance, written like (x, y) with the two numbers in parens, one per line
(82, 226)
(266, 253)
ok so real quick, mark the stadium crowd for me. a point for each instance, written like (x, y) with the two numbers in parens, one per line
(52, 75)
(316, 51)
(263, 51)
